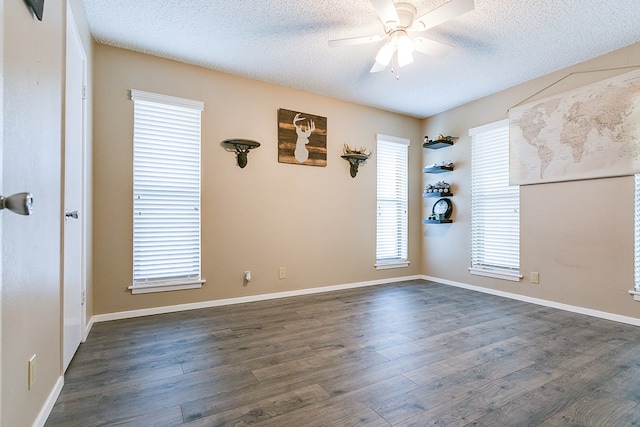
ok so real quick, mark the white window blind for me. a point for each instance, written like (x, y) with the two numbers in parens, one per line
(637, 233)
(392, 202)
(495, 205)
(166, 192)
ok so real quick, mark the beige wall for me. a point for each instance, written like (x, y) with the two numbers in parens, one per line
(318, 222)
(577, 235)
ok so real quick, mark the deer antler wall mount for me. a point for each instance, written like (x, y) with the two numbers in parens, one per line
(241, 148)
(355, 156)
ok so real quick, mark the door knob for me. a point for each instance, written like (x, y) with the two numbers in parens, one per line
(73, 215)
(20, 203)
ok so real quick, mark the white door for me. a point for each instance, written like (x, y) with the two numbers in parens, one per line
(1, 189)
(74, 222)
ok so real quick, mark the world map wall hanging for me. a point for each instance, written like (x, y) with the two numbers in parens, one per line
(590, 132)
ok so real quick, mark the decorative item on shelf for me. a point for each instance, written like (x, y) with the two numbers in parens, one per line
(440, 142)
(447, 163)
(241, 147)
(440, 188)
(444, 166)
(355, 156)
(442, 209)
(440, 212)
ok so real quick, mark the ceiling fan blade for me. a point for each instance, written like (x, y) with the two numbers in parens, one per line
(377, 67)
(386, 10)
(449, 10)
(355, 40)
(431, 47)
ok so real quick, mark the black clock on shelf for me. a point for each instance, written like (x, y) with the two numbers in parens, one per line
(442, 208)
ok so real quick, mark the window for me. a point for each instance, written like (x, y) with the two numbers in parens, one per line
(166, 193)
(392, 202)
(636, 239)
(495, 216)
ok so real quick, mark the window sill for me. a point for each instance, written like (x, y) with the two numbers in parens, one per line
(165, 287)
(513, 276)
(636, 295)
(392, 264)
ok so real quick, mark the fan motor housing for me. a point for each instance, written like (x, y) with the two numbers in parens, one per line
(406, 13)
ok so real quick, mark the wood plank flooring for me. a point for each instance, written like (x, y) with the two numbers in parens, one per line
(407, 354)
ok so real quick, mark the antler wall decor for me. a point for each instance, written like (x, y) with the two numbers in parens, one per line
(241, 148)
(355, 156)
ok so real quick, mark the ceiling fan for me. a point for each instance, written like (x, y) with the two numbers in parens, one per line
(399, 20)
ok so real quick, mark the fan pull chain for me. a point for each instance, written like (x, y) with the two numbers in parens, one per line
(395, 66)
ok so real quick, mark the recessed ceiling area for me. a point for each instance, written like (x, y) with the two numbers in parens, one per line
(498, 44)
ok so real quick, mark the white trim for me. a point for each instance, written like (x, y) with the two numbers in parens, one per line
(636, 295)
(48, 404)
(496, 273)
(394, 139)
(392, 264)
(164, 287)
(87, 329)
(140, 95)
(240, 300)
(552, 304)
(488, 127)
(254, 298)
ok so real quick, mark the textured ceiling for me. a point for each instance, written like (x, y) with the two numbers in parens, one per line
(498, 45)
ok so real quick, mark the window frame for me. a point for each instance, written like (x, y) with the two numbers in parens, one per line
(495, 262)
(400, 197)
(183, 122)
(636, 238)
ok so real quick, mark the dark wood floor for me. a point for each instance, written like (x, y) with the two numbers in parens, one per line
(408, 354)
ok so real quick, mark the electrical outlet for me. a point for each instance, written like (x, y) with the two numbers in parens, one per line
(282, 273)
(32, 372)
(535, 277)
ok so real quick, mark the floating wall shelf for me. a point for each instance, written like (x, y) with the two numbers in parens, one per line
(241, 147)
(355, 159)
(438, 169)
(437, 194)
(434, 145)
(441, 142)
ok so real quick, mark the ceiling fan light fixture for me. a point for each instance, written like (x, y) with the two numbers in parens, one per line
(405, 50)
(400, 18)
(385, 54)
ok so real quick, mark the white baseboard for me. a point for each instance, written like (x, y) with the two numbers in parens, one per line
(87, 329)
(48, 404)
(552, 304)
(253, 298)
(229, 301)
